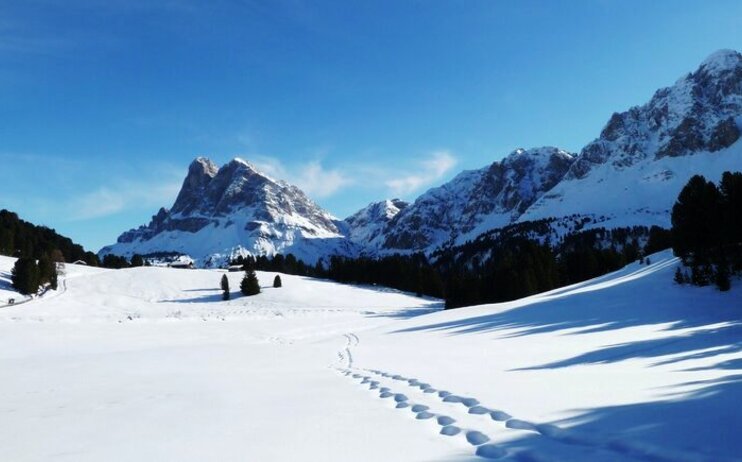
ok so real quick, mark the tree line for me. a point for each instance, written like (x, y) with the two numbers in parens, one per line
(707, 230)
(19, 238)
(497, 268)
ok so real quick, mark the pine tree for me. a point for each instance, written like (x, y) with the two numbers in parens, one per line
(721, 278)
(137, 260)
(679, 277)
(225, 287)
(277, 281)
(47, 269)
(249, 284)
(25, 276)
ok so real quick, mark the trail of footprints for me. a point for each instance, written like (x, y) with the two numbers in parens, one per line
(423, 412)
(449, 426)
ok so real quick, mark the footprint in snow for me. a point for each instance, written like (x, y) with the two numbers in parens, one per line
(450, 430)
(476, 438)
(444, 420)
(468, 402)
(520, 425)
(500, 416)
(478, 410)
(490, 451)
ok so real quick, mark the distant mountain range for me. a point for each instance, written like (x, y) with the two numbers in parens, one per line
(630, 175)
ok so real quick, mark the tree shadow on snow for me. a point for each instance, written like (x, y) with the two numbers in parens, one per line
(701, 424)
(406, 313)
(625, 299)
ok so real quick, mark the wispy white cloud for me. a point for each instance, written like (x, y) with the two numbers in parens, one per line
(431, 169)
(311, 177)
(110, 200)
(107, 201)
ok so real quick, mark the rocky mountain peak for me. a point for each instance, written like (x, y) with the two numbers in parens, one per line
(234, 209)
(721, 61)
(699, 113)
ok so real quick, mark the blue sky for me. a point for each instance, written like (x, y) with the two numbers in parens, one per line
(103, 103)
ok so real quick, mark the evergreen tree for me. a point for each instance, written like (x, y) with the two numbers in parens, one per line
(277, 281)
(225, 287)
(25, 276)
(115, 262)
(721, 278)
(679, 277)
(707, 229)
(47, 269)
(137, 260)
(696, 221)
(249, 285)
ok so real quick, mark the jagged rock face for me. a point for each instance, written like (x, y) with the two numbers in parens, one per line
(235, 209)
(192, 193)
(696, 114)
(477, 200)
(367, 225)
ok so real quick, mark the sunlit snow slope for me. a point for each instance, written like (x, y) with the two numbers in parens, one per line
(150, 364)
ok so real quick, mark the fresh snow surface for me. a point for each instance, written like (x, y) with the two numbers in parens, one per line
(150, 364)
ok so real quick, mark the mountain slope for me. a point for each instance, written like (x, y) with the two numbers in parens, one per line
(367, 226)
(633, 172)
(477, 200)
(235, 210)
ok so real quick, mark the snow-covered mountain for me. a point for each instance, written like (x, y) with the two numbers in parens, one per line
(634, 171)
(236, 210)
(476, 200)
(630, 175)
(366, 227)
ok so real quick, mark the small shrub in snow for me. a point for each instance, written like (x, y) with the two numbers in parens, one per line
(225, 287)
(277, 281)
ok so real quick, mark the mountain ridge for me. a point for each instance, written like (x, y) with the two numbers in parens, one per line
(629, 175)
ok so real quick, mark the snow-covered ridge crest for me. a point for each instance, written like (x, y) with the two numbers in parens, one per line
(476, 200)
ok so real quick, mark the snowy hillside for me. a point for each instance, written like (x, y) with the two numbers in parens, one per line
(150, 364)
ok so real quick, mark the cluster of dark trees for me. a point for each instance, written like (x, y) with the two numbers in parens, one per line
(517, 266)
(29, 274)
(118, 262)
(288, 264)
(409, 273)
(19, 238)
(707, 230)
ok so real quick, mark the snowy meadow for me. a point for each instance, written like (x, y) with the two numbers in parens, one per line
(150, 364)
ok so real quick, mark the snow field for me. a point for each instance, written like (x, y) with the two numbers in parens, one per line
(150, 364)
